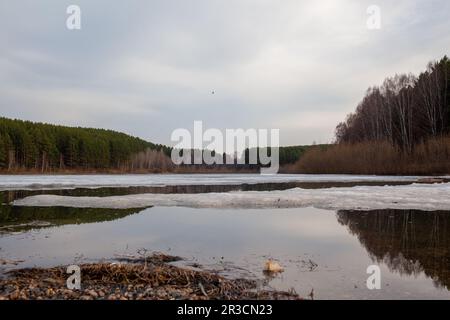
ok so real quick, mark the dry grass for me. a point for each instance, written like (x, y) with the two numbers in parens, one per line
(154, 280)
(427, 158)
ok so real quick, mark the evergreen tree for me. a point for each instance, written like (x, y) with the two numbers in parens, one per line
(29, 145)
(3, 152)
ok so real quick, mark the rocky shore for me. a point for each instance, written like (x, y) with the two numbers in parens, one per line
(152, 278)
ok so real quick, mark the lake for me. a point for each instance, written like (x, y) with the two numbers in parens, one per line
(324, 230)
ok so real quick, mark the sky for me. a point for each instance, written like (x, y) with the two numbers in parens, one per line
(149, 67)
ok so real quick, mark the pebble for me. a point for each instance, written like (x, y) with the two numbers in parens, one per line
(92, 293)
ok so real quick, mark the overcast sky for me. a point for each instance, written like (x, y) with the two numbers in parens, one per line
(149, 67)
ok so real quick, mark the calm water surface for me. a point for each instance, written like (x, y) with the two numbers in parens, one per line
(323, 250)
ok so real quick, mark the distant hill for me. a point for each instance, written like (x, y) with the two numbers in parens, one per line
(27, 146)
(46, 147)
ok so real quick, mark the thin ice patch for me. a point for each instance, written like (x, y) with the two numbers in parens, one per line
(415, 196)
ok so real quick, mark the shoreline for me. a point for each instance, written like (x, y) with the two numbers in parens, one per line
(199, 172)
(149, 278)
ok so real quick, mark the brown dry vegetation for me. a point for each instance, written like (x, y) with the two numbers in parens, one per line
(152, 278)
(401, 127)
(427, 158)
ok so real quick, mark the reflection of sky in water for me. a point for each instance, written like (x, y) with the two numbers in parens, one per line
(244, 238)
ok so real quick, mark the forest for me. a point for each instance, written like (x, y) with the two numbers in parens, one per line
(37, 147)
(404, 111)
(400, 127)
(45, 147)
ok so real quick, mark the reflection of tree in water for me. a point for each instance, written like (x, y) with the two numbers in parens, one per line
(7, 197)
(14, 218)
(407, 241)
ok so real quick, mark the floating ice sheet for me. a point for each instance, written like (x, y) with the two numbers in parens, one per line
(36, 182)
(414, 196)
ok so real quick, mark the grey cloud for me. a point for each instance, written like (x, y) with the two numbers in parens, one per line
(148, 67)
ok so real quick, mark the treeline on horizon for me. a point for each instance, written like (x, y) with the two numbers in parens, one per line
(400, 127)
(46, 147)
(38, 147)
(243, 162)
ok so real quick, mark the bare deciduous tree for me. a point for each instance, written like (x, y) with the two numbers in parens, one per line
(404, 111)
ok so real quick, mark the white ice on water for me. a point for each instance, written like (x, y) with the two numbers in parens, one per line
(415, 196)
(36, 182)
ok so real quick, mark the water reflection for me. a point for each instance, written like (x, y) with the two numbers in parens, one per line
(318, 249)
(21, 219)
(11, 195)
(407, 241)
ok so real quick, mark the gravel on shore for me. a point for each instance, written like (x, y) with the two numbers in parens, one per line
(152, 279)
